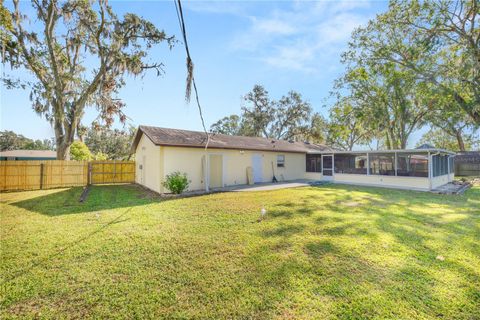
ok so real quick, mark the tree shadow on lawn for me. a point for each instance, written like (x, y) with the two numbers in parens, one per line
(101, 197)
(329, 277)
(44, 260)
(358, 284)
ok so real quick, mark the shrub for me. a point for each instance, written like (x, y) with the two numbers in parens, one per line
(79, 151)
(176, 182)
(100, 156)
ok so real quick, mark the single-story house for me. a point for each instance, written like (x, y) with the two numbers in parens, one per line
(226, 161)
(28, 155)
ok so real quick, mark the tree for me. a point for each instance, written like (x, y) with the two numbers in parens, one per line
(46, 144)
(231, 125)
(79, 151)
(111, 144)
(289, 118)
(9, 140)
(439, 41)
(385, 98)
(346, 129)
(453, 121)
(443, 140)
(258, 112)
(72, 33)
(316, 131)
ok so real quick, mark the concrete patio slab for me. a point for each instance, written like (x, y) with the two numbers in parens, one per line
(270, 186)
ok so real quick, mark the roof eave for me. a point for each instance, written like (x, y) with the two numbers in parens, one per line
(383, 151)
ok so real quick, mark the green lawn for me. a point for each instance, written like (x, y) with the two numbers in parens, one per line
(332, 252)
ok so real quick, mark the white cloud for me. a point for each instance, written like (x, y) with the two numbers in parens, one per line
(217, 7)
(273, 26)
(305, 37)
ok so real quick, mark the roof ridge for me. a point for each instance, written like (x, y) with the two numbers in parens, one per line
(230, 135)
(196, 139)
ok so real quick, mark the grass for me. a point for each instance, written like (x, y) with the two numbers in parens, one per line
(332, 252)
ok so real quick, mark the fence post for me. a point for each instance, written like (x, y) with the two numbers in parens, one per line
(41, 175)
(89, 182)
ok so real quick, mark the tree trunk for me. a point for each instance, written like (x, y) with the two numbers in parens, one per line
(63, 151)
(387, 142)
(461, 144)
(64, 137)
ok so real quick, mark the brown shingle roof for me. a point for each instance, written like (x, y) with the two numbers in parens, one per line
(196, 139)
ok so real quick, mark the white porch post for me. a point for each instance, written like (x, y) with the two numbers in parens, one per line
(429, 171)
(396, 164)
(333, 166)
(448, 164)
(368, 164)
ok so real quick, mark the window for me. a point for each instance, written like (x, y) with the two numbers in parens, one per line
(351, 163)
(314, 163)
(412, 165)
(440, 165)
(382, 164)
(452, 164)
(281, 160)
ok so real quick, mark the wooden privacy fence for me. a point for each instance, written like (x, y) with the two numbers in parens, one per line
(111, 172)
(467, 169)
(33, 175)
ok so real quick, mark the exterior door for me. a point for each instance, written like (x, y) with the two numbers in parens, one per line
(216, 171)
(257, 166)
(327, 164)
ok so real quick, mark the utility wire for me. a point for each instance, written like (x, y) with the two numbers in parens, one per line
(190, 76)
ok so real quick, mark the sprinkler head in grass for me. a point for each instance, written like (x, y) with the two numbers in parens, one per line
(263, 212)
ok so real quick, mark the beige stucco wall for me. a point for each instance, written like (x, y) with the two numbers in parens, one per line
(313, 175)
(160, 161)
(148, 155)
(441, 180)
(235, 163)
(414, 183)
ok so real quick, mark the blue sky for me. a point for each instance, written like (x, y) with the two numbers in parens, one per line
(282, 45)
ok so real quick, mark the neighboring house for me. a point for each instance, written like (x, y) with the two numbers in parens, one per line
(28, 155)
(160, 151)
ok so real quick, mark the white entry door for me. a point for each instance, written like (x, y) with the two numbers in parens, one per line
(257, 166)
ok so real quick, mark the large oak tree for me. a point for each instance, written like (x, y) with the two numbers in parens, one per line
(79, 53)
(439, 41)
(289, 118)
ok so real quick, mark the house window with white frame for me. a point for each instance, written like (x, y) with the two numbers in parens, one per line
(280, 161)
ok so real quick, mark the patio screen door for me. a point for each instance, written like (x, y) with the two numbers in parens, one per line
(327, 164)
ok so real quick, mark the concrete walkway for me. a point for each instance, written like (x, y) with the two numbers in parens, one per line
(270, 186)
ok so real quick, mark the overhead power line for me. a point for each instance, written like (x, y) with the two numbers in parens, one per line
(190, 76)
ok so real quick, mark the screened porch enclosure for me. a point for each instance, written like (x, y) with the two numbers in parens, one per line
(420, 168)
